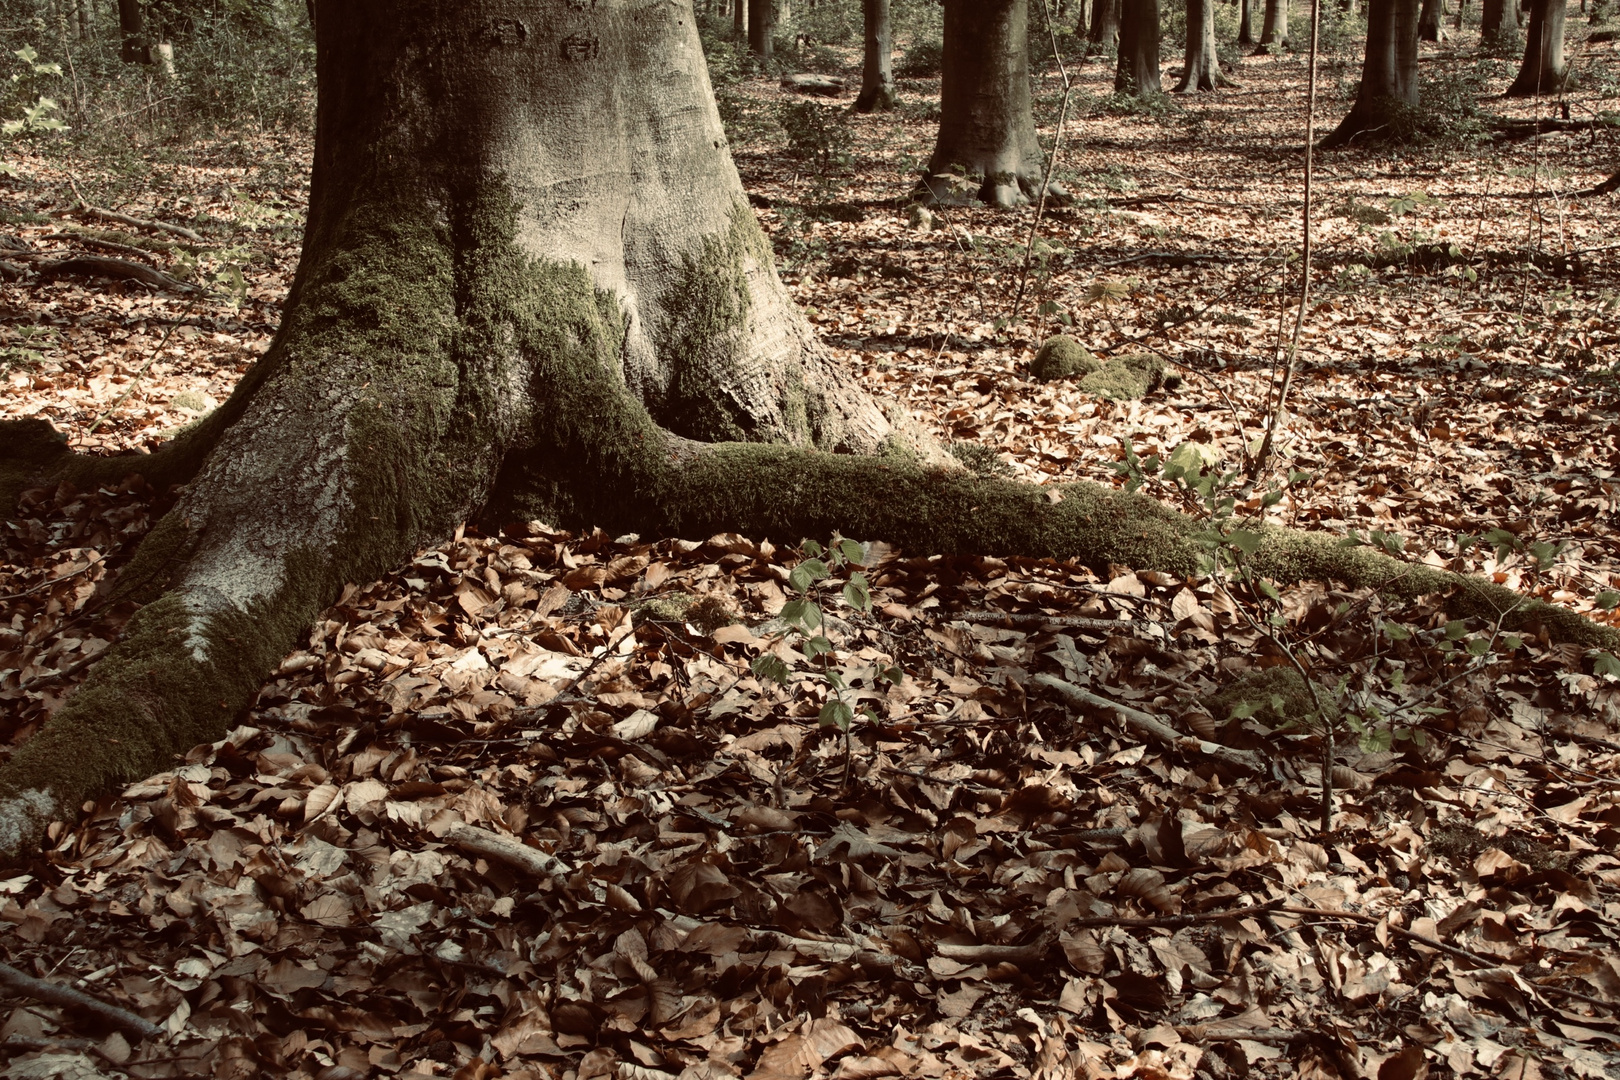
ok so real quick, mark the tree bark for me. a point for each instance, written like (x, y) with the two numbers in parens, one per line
(1544, 69)
(739, 19)
(1499, 27)
(1104, 23)
(987, 150)
(1274, 30)
(1389, 82)
(1429, 20)
(877, 67)
(1245, 35)
(762, 27)
(1137, 72)
(531, 288)
(1201, 68)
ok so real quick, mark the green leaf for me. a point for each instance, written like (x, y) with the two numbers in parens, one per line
(891, 675)
(835, 714)
(1243, 710)
(802, 614)
(1267, 589)
(812, 549)
(851, 551)
(806, 574)
(856, 594)
(1244, 540)
(770, 667)
(1608, 599)
(1478, 647)
(1396, 632)
(1456, 630)
(1605, 664)
(816, 646)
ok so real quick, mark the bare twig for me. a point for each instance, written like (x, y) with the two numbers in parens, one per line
(124, 219)
(505, 849)
(1051, 163)
(1150, 726)
(55, 994)
(1263, 458)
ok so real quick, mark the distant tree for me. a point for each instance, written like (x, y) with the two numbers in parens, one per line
(1429, 20)
(1201, 68)
(1245, 35)
(1544, 69)
(1137, 72)
(877, 67)
(739, 19)
(1498, 24)
(1389, 83)
(1274, 31)
(761, 27)
(987, 150)
(1104, 23)
(133, 47)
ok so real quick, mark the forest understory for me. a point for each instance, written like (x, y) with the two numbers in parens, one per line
(523, 808)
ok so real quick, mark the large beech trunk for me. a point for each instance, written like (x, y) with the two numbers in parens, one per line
(530, 287)
(1388, 74)
(1429, 20)
(877, 66)
(1544, 69)
(1138, 69)
(1104, 23)
(1201, 68)
(1245, 34)
(987, 150)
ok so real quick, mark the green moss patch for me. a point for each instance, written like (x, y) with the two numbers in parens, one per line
(1061, 356)
(1125, 378)
(1277, 697)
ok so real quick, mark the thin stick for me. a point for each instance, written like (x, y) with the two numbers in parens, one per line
(1263, 458)
(55, 994)
(1051, 164)
(1151, 727)
(124, 219)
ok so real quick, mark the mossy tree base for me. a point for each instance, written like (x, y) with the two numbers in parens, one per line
(445, 357)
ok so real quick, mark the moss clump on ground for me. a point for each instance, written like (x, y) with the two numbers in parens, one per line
(1060, 357)
(707, 613)
(980, 460)
(1279, 697)
(1125, 378)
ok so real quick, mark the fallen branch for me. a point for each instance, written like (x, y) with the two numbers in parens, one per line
(55, 994)
(1171, 921)
(124, 219)
(1151, 726)
(103, 266)
(504, 849)
(1083, 622)
(1032, 953)
(106, 245)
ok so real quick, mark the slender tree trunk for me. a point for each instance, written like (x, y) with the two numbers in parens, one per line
(762, 27)
(1499, 27)
(1457, 19)
(739, 19)
(1429, 20)
(987, 150)
(1201, 69)
(1389, 73)
(1245, 35)
(1274, 31)
(1544, 68)
(1082, 18)
(877, 71)
(1104, 23)
(1137, 72)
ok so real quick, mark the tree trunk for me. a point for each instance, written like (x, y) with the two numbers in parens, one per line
(761, 27)
(1499, 27)
(1274, 31)
(134, 48)
(1201, 69)
(1104, 23)
(1138, 70)
(1389, 82)
(531, 288)
(987, 149)
(1544, 69)
(1245, 35)
(739, 19)
(1429, 20)
(877, 72)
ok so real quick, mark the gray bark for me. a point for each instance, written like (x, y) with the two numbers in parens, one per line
(1201, 69)
(1245, 35)
(1544, 68)
(1429, 21)
(1138, 69)
(1388, 73)
(1499, 27)
(1104, 23)
(877, 65)
(987, 150)
(762, 16)
(1274, 30)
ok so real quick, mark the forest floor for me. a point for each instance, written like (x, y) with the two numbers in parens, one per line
(986, 880)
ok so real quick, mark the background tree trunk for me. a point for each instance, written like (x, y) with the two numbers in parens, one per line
(1138, 70)
(1274, 31)
(1201, 69)
(762, 27)
(1245, 35)
(1499, 27)
(877, 71)
(1544, 69)
(1389, 72)
(739, 19)
(1104, 23)
(987, 150)
(133, 49)
(1429, 20)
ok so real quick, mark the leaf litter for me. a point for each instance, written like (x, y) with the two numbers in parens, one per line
(522, 808)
